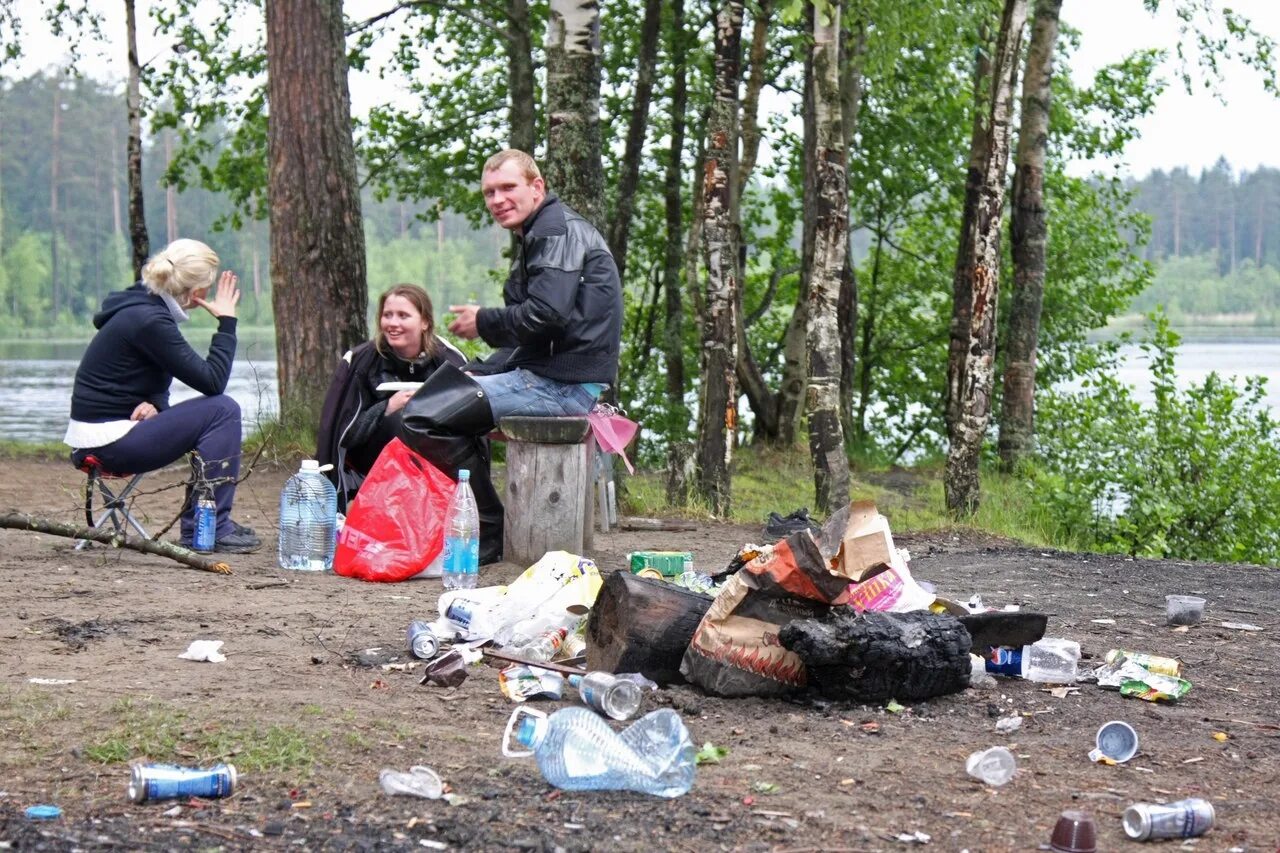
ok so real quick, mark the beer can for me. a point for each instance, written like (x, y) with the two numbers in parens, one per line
(422, 640)
(1154, 663)
(1183, 819)
(171, 782)
(206, 519)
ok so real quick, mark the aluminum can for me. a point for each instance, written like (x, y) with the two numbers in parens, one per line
(206, 525)
(171, 782)
(1154, 663)
(1183, 819)
(422, 640)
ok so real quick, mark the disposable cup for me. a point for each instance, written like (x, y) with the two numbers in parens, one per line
(1117, 740)
(1075, 832)
(1184, 609)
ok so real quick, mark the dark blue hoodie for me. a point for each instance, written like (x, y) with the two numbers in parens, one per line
(136, 354)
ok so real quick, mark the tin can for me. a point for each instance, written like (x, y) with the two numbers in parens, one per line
(206, 520)
(422, 640)
(171, 782)
(1153, 663)
(1183, 819)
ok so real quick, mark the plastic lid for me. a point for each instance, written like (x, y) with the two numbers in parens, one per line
(43, 812)
(463, 475)
(527, 732)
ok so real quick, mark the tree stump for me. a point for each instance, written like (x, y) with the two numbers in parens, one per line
(642, 625)
(875, 657)
(550, 475)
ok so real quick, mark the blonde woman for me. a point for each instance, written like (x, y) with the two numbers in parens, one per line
(120, 409)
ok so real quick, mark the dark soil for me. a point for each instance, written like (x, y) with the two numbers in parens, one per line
(800, 774)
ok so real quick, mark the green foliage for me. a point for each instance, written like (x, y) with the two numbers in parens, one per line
(1189, 287)
(1192, 476)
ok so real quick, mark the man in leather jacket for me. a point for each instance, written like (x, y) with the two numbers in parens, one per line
(559, 331)
(557, 336)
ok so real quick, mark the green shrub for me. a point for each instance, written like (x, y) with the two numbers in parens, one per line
(1194, 475)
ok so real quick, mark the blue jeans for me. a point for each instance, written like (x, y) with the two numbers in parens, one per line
(520, 392)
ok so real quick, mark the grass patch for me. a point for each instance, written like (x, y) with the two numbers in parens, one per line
(25, 713)
(156, 731)
(766, 480)
(38, 451)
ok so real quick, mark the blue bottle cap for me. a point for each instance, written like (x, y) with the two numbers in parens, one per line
(528, 731)
(44, 812)
(463, 475)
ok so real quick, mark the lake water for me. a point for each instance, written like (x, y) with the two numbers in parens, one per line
(37, 378)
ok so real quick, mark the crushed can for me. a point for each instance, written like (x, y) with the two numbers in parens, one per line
(1153, 663)
(172, 782)
(1183, 819)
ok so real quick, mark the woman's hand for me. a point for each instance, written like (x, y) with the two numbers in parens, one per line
(398, 400)
(143, 411)
(225, 301)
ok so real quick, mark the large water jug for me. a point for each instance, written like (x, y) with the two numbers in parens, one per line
(577, 750)
(308, 520)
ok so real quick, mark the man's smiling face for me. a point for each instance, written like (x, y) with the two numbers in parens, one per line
(510, 196)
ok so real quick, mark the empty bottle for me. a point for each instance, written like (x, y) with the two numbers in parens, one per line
(544, 646)
(418, 782)
(308, 520)
(576, 750)
(615, 697)
(994, 766)
(1050, 660)
(462, 537)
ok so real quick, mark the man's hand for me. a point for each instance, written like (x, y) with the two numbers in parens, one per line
(224, 303)
(143, 411)
(397, 401)
(464, 321)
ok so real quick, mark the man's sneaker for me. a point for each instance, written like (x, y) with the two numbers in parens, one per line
(240, 528)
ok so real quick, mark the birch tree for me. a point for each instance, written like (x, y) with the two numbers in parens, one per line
(317, 237)
(822, 395)
(573, 166)
(976, 286)
(718, 412)
(1029, 232)
(140, 244)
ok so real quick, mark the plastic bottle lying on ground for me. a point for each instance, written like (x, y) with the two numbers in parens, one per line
(576, 750)
(1051, 660)
(612, 696)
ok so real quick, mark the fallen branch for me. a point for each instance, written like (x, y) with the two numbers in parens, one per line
(21, 521)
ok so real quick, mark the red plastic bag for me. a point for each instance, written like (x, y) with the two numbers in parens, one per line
(395, 525)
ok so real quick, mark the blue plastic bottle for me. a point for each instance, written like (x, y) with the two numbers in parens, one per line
(462, 538)
(308, 520)
(577, 750)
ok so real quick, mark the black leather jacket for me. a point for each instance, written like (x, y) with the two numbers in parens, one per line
(562, 314)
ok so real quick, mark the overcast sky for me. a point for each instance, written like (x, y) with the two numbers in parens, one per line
(1190, 130)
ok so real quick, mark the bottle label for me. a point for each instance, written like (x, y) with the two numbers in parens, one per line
(1005, 661)
(461, 555)
(460, 613)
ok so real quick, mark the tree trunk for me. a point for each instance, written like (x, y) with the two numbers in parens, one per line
(520, 83)
(795, 372)
(573, 166)
(319, 289)
(629, 170)
(971, 368)
(1017, 412)
(170, 192)
(718, 413)
(822, 396)
(673, 337)
(55, 219)
(133, 148)
(757, 59)
(853, 49)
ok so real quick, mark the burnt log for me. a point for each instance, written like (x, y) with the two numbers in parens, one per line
(1004, 628)
(642, 625)
(875, 657)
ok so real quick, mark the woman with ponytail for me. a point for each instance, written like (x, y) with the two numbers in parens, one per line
(120, 410)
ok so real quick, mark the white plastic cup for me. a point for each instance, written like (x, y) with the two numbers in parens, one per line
(1117, 741)
(994, 766)
(1183, 609)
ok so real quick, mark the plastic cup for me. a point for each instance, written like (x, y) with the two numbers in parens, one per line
(1075, 832)
(1117, 740)
(1184, 609)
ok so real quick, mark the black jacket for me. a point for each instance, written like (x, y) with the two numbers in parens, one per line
(351, 418)
(136, 354)
(562, 314)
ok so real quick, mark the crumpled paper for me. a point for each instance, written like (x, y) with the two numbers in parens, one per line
(204, 650)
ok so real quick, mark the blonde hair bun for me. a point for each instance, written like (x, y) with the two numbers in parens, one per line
(181, 267)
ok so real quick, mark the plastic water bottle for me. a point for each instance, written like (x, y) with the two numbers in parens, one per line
(544, 646)
(308, 520)
(462, 537)
(1051, 660)
(576, 750)
(608, 694)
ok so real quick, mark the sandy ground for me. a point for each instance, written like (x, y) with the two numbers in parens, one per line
(310, 725)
